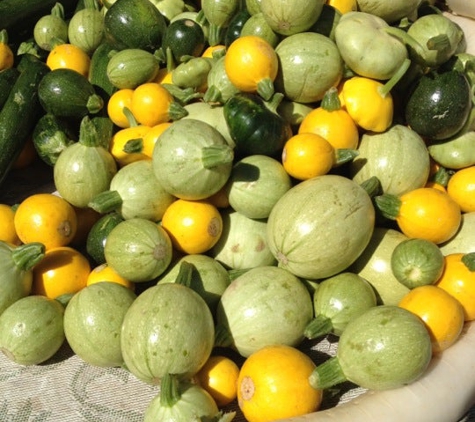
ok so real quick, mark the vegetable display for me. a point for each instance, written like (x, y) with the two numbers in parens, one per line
(234, 187)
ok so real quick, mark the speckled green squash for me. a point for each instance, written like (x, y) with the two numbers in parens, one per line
(93, 320)
(169, 329)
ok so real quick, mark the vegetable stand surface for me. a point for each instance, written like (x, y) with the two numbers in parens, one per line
(65, 388)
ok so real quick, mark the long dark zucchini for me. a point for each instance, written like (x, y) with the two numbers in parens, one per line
(20, 112)
(7, 79)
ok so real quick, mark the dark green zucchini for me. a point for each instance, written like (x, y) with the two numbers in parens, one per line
(7, 79)
(98, 70)
(97, 236)
(254, 125)
(66, 93)
(438, 104)
(134, 24)
(234, 28)
(51, 136)
(183, 37)
(20, 112)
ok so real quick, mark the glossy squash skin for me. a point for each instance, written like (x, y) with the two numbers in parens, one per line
(328, 210)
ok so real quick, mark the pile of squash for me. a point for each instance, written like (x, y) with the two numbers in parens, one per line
(234, 179)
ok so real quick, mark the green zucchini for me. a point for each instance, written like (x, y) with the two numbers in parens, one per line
(134, 24)
(7, 79)
(67, 93)
(51, 136)
(182, 38)
(98, 70)
(439, 104)
(18, 118)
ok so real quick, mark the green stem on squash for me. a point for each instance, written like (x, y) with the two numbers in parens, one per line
(216, 155)
(130, 117)
(442, 176)
(331, 100)
(273, 103)
(469, 261)
(169, 390)
(372, 186)
(440, 42)
(182, 95)
(212, 95)
(3, 36)
(389, 205)
(327, 374)
(58, 10)
(265, 88)
(94, 104)
(344, 155)
(26, 256)
(88, 133)
(185, 274)
(317, 327)
(133, 146)
(389, 85)
(176, 111)
(106, 201)
(214, 35)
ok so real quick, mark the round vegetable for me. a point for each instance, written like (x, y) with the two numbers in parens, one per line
(328, 210)
(168, 329)
(273, 383)
(386, 347)
(138, 249)
(31, 330)
(417, 262)
(94, 338)
(263, 306)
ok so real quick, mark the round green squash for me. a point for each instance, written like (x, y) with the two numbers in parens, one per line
(169, 329)
(398, 157)
(31, 330)
(374, 265)
(256, 183)
(138, 249)
(93, 320)
(209, 278)
(243, 242)
(263, 306)
(192, 160)
(309, 65)
(463, 241)
(320, 226)
(286, 17)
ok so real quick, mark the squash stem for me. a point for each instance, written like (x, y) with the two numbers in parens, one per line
(26, 256)
(469, 260)
(274, 102)
(94, 104)
(216, 155)
(389, 205)
(265, 88)
(344, 155)
(317, 327)
(130, 117)
(439, 43)
(169, 390)
(389, 85)
(3, 36)
(185, 274)
(214, 34)
(88, 133)
(106, 201)
(176, 111)
(213, 95)
(182, 95)
(331, 100)
(327, 374)
(58, 10)
(372, 186)
(133, 146)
